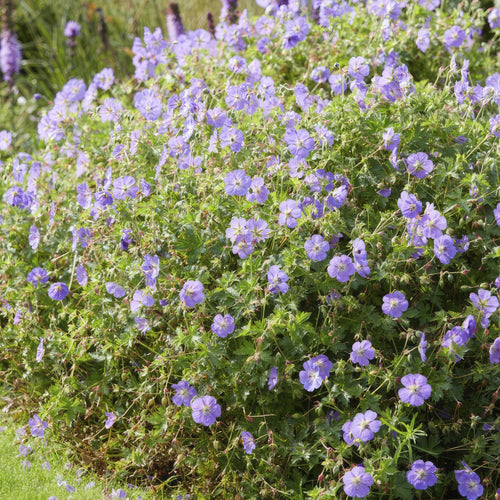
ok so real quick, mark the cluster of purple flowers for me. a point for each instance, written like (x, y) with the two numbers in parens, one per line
(244, 235)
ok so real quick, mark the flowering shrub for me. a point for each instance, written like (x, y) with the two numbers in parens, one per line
(183, 244)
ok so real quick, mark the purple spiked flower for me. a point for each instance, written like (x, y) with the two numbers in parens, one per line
(175, 28)
(10, 54)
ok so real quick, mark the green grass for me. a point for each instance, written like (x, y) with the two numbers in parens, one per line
(37, 483)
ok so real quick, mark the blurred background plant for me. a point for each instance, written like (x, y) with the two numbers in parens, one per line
(107, 32)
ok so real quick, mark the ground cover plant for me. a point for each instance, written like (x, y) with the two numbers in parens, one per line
(267, 265)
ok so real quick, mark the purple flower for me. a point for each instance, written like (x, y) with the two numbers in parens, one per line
(248, 442)
(432, 222)
(316, 247)
(423, 40)
(395, 304)
(205, 410)
(320, 74)
(310, 377)
(58, 291)
(469, 483)
(237, 183)
(300, 143)
(115, 290)
(296, 31)
(258, 230)
(289, 212)
(150, 268)
(37, 276)
(496, 213)
(81, 275)
(277, 280)
(73, 90)
(419, 165)
(341, 268)
(422, 475)
(495, 351)
(444, 249)
(232, 137)
(416, 389)
(148, 104)
(5, 140)
(141, 298)
(484, 301)
(324, 365)
(34, 237)
(110, 420)
(142, 324)
(422, 347)
(216, 117)
(40, 351)
(362, 352)
(84, 196)
(364, 426)
(124, 187)
(357, 482)
(454, 37)
(494, 18)
(259, 191)
(84, 237)
(409, 205)
(72, 29)
(360, 257)
(184, 393)
(192, 294)
(273, 378)
(222, 326)
(37, 426)
(358, 69)
(104, 79)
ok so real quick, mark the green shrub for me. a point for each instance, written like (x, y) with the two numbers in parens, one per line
(164, 231)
